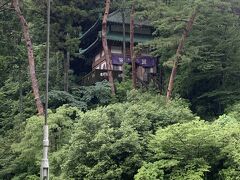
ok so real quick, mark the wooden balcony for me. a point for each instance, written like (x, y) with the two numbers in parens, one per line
(98, 75)
(97, 62)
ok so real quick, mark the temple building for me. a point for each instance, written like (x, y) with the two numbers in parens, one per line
(91, 48)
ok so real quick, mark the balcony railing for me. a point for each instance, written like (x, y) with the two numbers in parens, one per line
(98, 75)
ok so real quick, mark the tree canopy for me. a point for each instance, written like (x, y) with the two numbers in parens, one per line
(136, 133)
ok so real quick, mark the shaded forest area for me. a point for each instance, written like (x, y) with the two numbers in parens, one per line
(188, 128)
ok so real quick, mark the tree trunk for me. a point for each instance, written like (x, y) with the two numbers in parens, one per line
(20, 82)
(66, 69)
(161, 88)
(124, 41)
(185, 34)
(31, 61)
(105, 46)
(133, 54)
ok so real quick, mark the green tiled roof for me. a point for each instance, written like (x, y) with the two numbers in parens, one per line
(116, 17)
(82, 51)
(90, 30)
(137, 38)
(113, 36)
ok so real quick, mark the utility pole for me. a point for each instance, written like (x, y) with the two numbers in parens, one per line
(44, 174)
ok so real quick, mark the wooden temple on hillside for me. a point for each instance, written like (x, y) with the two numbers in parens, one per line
(91, 48)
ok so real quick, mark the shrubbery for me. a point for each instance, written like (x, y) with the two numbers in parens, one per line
(143, 138)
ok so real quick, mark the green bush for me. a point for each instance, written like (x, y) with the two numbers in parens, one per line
(28, 151)
(110, 142)
(194, 150)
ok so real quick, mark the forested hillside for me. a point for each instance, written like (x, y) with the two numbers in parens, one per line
(182, 124)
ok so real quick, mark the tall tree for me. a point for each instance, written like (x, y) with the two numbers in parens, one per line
(105, 45)
(66, 69)
(124, 36)
(31, 60)
(210, 79)
(186, 31)
(133, 54)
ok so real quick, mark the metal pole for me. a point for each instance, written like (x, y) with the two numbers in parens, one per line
(124, 35)
(44, 174)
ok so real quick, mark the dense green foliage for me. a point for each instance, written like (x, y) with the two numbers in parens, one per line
(82, 97)
(144, 135)
(194, 150)
(109, 142)
(135, 134)
(208, 71)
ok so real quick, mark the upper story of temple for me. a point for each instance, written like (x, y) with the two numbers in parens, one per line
(91, 45)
